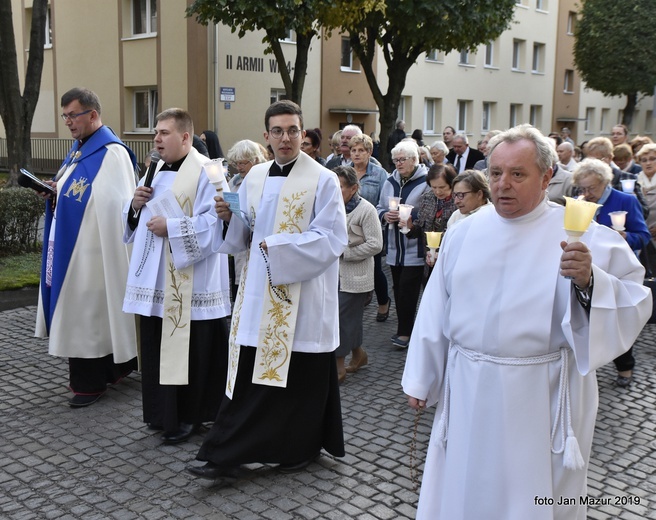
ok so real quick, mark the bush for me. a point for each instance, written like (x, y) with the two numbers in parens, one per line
(20, 212)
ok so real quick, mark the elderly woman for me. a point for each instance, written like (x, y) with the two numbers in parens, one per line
(470, 193)
(435, 207)
(593, 179)
(311, 144)
(372, 177)
(405, 255)
(438, 152)
(243, 156)
(356, 270)
(425, 156)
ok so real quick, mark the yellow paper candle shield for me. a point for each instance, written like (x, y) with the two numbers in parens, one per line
(433, 239)
(579, 214)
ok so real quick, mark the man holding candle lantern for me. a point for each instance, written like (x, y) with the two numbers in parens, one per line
(512, 325)
(178, 284)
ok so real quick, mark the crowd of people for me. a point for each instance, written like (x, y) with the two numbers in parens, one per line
(290, 245)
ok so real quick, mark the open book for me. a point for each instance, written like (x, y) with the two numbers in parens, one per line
(29, 180)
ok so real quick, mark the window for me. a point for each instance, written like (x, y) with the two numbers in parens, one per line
(145, 109)
(517, 55)
(489, 54)
(535, 117)
(430, 106)
(620, 116)
(486, 116)
(515, 114)
(571, 23)
(538, 58)
(569, 81)
(463, 114)
(349, 61)
(464, 57)
(603, 121)
(401, 114)
(589, 120)
(278, 94)
(435, 56)
(144, 17)
(541, 5)
(48, 42)
(290, 36)
(649, 121)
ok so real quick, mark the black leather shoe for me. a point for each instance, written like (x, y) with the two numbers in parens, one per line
(180, 435)
(211, 471)
(156, 427)
(299, 466)
(80, 401)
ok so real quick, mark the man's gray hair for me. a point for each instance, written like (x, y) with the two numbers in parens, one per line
(461, 136)
(352, 128)
(567, 144)
(545, 153)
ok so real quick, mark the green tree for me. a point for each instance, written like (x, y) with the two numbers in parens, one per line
(614, 50)
(276, 18)
(406, 29)
(16, 109)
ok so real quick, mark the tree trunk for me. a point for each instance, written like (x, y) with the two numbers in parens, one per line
(300, 65)
(629, 109)
(16, 110)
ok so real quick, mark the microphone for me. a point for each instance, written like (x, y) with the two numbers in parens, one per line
(154, 159)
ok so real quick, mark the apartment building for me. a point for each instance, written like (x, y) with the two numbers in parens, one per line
(141, 56)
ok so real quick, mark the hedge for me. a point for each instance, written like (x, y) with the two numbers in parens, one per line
(20, 212)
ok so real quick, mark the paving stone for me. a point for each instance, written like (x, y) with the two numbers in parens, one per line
(101, 462)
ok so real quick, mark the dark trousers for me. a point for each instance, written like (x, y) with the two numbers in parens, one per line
(407, 285)
(380, 280)
(625, 362)
(169, 405)
(90, 376)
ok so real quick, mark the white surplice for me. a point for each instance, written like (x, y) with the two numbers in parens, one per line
(310, 257)
(190, 240)
(496, 295)
(88, 322)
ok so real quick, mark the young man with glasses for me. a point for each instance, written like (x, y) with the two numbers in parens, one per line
(282, 401)
(85, 262)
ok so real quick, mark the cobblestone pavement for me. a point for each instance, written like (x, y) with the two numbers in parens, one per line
(101, 462)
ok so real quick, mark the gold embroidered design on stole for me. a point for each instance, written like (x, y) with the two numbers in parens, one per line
(274, 349)
(174, 346)
(78, 188)
(174, 312)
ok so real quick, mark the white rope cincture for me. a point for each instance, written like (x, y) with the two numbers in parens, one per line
(572, 458)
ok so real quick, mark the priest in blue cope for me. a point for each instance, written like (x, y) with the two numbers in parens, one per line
(85, 262)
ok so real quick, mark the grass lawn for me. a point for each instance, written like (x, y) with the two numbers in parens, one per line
(20, 271)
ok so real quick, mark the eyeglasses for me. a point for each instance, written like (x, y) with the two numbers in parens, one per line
(589, 189)
(72, 116)
(276, 132)
(399, 160)
(304, 143)
(460, 194)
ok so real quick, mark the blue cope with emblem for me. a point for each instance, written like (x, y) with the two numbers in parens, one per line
(72, 202)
